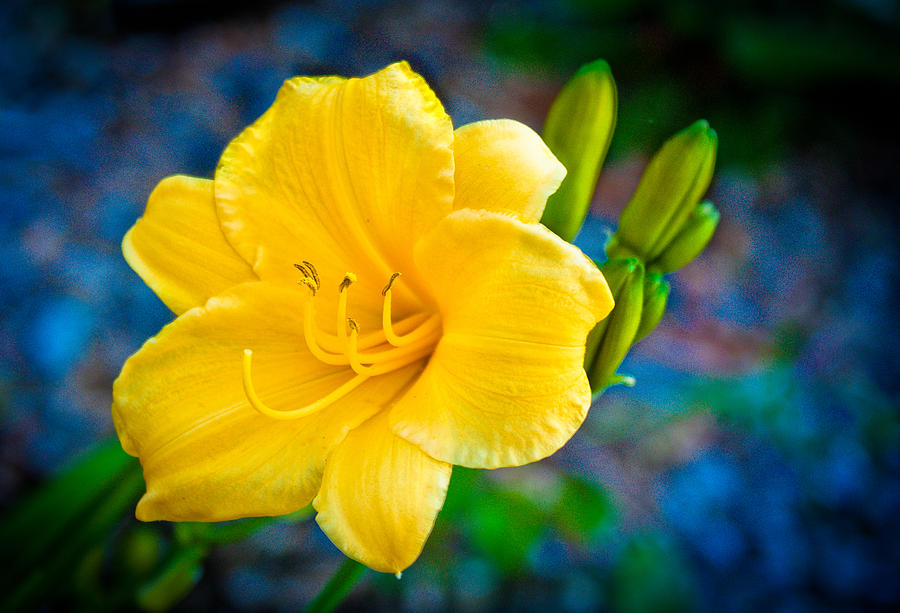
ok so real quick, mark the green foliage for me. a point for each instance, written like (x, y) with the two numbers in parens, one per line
(504, 526)
(48, 534)
(504, 522)
(584, 510)
(177, 577)
(648, 578)
(77, 521)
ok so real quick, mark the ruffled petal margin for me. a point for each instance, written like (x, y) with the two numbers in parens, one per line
(505, 385)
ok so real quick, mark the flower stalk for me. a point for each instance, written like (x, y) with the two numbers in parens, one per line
(338, 587)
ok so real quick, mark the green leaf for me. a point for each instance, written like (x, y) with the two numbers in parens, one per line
(173, 583)
(38, 579)
(338, 587)
(47, 534)
(504, 525)
(582, 509)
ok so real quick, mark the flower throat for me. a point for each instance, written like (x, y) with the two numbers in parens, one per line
(368, 355)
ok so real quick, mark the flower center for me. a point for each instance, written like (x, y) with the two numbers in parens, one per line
(368, 355)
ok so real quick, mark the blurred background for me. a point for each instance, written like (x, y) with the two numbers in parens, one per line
(756, 463)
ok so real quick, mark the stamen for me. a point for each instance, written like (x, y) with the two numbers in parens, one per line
(387, 361)
(349, 278)
(387, 287)
(411, 340)
(310, 336)
(423, 330)
(368, 340)
(309, 409)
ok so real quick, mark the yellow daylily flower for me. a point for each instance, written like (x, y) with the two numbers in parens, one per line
(365, 297)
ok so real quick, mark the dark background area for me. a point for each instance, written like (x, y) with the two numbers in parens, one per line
(756, 462)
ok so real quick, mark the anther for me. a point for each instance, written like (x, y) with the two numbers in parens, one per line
(387, 287)
(348, 279)
(312, 271)
(428, 327)
(306, 282)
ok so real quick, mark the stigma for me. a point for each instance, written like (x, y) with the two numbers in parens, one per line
(367, 355)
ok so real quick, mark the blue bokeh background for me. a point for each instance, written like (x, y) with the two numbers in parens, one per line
(755, 464)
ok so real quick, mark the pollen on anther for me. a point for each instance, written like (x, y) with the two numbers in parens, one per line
(348, 279)
(313, 272)
(308, 284)
(310, 276)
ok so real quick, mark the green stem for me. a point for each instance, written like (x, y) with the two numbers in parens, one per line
(337, 587)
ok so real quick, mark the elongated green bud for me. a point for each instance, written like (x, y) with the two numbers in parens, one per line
(615, 272)
(691, 240)
(578, 129)
(675, 179)
(622, 323)
(656, 293)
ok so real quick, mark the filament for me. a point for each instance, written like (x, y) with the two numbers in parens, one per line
(309, 409)
(349, 278)
(385, 361)
(410, 340)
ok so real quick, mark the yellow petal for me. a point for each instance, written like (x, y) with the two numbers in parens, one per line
(506, 384)
(346, 174)
(503, 165)
(178, 248)
(380, 496)
(179, 405)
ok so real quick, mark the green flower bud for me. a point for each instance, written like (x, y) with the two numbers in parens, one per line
(578, 129)
(615, 273)
(626, 281)
(669, 189)
(691, 240)
(656, 293)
